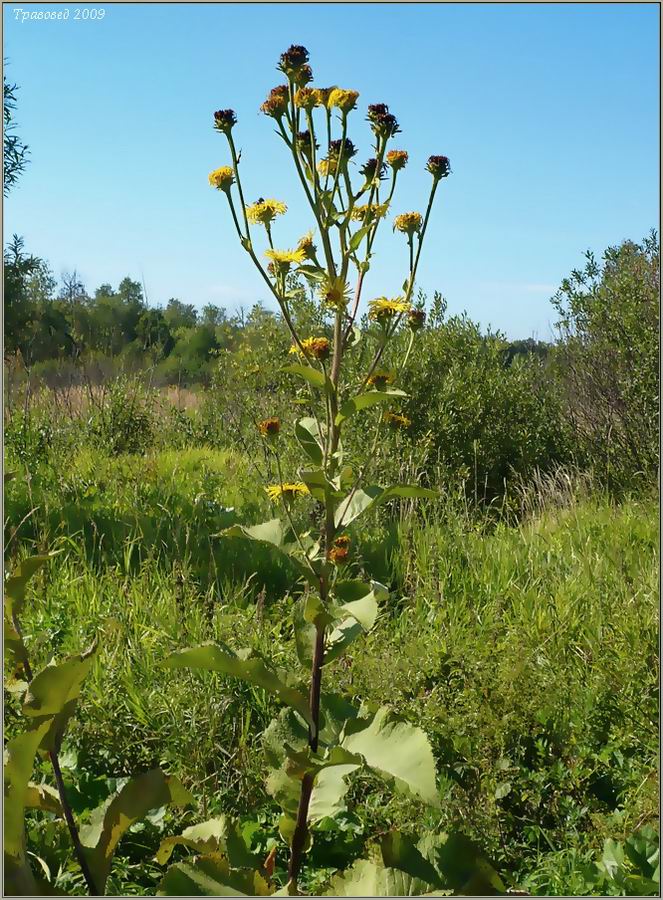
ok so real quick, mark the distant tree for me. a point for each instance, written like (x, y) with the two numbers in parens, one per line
(15, 152)
(153, 332)
(73, 289)
(180, 315)
(19, 267)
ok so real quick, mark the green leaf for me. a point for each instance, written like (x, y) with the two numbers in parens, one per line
(319, 486)
(110, 821)
(43, 797)
(314, 376)
(19, 760)
(399, 852)
(252, 669)
(220, 835)
(357, 238)
(341, 638)
(355, 504)
(272, 532)
(17, 582)
(211, 876)
(363, 401)
(309, 436)
(368, 879)
(395, 749)
(314, 273)
(461, 864)
(329, 790)
(53, 695)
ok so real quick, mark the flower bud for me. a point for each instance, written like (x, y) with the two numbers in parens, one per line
(438, 166)
(224, 119)
(397, 159)
(369, 169)
(383, 123)
(294, 59)
(269, 428)
(416, 319)
(303, 76)
(276, 105)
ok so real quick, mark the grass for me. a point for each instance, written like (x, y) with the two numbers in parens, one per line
(528, 654)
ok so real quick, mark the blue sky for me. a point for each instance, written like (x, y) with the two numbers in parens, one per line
(549, 114)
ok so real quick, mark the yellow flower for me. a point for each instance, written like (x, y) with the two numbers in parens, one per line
(382, 310)
(269, 428)
(306, 245)
(283, 259)
(222, 178)
(323, 95)
(327, 167)
(335, 292)
(288, 490)
(344, 100)
(381, 379)
(276, 104)
(263, 212)
(318, 347)
(369, 211)
(397, 159)
(396, 420)
(306, 98)
(408, 223)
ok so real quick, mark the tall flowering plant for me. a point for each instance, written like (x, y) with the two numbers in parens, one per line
(319, 740)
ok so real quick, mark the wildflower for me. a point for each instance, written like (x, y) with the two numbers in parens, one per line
(303, 76)
(383, 123)
(340, 550)
(370, 169)
(381, 379)
(335, 292)
(222, 178)
(263, 212)
(306, 245)
(283, 259)
(323, 95)
(269, 428)
(306, 98)
(342, 148)
(397, 159)
(294, 58)
(289, 491)
(276, 104)
(327, 167)
(438, 166)
(416, 319)
(224, 119)
(396, 420)
(304, 141)
(344, 100)
(408, 223)
(316, 347)
(382, 310)
(369, 211)
(343, 540)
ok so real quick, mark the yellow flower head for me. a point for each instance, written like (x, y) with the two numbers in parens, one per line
(306, 98)
(288, 490)
(408, 223)
(335, 292)
(327, 167)
(343, 540)
(263, 212)
(383, 310)
(338, 555)
(316, 347)
(222, 178)
(343, 100)
(269, 428)
(397, 159)
(323, 95)
(396, 420)
(283, 259)
(276, 104)
(381, 379)
(306, 245)
(369, 211)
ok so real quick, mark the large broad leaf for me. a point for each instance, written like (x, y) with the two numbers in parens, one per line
(43, 797)
(19, 760)
(211, 876)
(341, 637)
(17, 582)
(130, 804)
(53, 695)
(308, 433)
(319, 485)
(396, 749)
(244, 665)
(368, 879)
(16, 654)
(400, 852)
(329, 790)
(364, 401)
(278, 535)
(362, 499)
(314, 376)
(461, 865)
(220, 835)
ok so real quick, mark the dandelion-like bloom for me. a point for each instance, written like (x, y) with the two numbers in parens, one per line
(338, 555)
(306, 245)
(381, 379)
(294, 58)
(335, 292)
(370, 169)
(343, 100)
(369, 211)
(327, 167)
(263, 212)
(224, 119)
(395, 420)
(269, 428)
(416, 319)
(276, 104)
(222, 178)
(438, 166)
(283, 259)
(289, 491)
(397, 159)
(315, 347)
(382, 310)
(323, 95)
(306, 98)
(408, 223)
